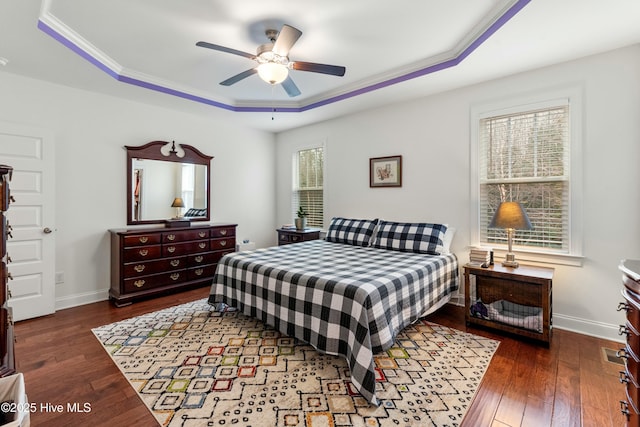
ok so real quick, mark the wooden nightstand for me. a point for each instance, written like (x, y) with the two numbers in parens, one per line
(287, 236)
(526, 286)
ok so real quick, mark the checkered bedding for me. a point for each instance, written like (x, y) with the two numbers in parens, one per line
(342, 299)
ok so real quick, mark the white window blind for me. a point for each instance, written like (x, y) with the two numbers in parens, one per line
(524, 157)
(308, 185)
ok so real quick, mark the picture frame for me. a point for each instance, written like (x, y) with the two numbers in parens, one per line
(385, 171)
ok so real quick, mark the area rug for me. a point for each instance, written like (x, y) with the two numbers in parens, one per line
(194, 366)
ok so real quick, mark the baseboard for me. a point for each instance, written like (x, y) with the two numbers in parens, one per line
(81, 299)
(587, 327)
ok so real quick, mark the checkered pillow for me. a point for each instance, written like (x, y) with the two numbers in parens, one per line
(356, 232)
(421, 238)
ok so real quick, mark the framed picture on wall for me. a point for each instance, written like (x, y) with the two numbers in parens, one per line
(385, 171)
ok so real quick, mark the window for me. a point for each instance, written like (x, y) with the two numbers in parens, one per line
(308, 185)
(188, 184)
(525, 155)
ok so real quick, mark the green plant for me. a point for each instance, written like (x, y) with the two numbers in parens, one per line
(301, 212)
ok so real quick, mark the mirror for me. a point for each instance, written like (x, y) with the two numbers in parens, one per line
(158, 174)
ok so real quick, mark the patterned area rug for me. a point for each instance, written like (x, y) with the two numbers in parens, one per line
(194, 366)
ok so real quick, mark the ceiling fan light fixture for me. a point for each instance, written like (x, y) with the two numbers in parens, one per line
(272, 72)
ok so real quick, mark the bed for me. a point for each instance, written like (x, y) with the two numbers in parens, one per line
(344, 295)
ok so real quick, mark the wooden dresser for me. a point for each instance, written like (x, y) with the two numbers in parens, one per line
(7, 366)
(149, 261)
(631, 352)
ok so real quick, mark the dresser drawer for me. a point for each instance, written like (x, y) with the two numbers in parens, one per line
(206, 271)
(223, 232)
(3, 235)
(142, 253)
(141, 239)
(144, 268)
(184, 248)
(217, 244)
(154, 281)
(632, 306)
(4, 193)
(202, 259)
(183, 236)
(631, 362)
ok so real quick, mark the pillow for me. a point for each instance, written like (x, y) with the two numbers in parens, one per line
(447, 239)
(356, 232)
(420, 238)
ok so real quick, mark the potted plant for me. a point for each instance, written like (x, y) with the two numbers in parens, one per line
(301, 221)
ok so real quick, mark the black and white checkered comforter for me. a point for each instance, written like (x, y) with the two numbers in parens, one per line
(342, 299)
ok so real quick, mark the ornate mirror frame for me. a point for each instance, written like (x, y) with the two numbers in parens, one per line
(169, 152)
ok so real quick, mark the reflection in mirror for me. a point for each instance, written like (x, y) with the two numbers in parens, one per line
(157, 183)
(158, 174)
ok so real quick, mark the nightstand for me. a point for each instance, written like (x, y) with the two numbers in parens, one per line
(526, 286)
(287, 236)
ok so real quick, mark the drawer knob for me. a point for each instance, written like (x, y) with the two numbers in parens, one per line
(199, 272)
(143, 239)
(223, 232)
(622, 330)
(199, 258)
(623, 306)
(139, 268)
(202, 234)
(138, 283)
(174, 262)
(171, 249)
(175, 276)
(143, 252)
(171, 237)
(624, 409)
(223, 243)
(202, 245)
(624, 378)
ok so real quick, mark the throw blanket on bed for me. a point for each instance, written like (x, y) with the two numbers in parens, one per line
(342, 299)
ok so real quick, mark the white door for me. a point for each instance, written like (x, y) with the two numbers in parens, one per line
(31, 217)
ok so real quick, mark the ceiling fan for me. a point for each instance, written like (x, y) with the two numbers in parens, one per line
(273, 60)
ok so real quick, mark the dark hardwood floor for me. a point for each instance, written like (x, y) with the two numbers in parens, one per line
(568, 384)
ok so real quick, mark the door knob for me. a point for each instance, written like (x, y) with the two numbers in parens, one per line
(47, 230)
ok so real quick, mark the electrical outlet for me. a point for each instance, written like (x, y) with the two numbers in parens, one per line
(60, 277)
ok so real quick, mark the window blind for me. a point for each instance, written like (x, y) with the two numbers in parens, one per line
(524, 157)
(308, 185)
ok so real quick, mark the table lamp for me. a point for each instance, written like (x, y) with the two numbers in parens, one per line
(510, 216)
(178, 204)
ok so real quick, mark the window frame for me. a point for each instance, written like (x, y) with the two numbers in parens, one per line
(522, 104)
(294, 179)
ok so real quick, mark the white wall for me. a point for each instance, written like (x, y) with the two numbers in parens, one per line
(432, 134)
(90, 132)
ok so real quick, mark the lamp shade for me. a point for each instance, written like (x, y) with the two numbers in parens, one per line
(177, 203)
(510, 215)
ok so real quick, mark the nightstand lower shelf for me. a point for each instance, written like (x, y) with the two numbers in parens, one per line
(512, 300)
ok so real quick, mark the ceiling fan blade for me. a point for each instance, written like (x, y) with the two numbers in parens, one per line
(238, 77)
(287, 37)
(290, 87)
(226, 49)
(334, 70)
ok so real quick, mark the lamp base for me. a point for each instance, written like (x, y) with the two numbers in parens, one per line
(175, 223)
(510, 261)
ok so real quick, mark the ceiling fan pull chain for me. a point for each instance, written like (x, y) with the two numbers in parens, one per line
(273, 102)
